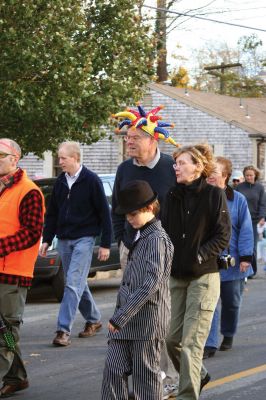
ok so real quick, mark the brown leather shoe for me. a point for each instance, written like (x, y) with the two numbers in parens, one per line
(8, 389)
(62, 339)
(90, 329)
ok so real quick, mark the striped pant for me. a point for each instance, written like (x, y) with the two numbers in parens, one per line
(139, 358)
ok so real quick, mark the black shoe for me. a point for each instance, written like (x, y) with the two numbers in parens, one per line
(204, 381)
(209, 352)
(226, 344)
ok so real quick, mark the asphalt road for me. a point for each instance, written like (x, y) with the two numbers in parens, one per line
(75, 372)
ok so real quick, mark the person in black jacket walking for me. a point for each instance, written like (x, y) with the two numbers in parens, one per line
(77, 213)
(198, 223)
(255, 195)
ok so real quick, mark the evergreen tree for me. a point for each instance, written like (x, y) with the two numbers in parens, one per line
(66, 65)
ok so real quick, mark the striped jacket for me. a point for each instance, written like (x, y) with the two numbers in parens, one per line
(143, 303)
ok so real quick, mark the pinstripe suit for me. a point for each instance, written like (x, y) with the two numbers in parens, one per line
(142, 316)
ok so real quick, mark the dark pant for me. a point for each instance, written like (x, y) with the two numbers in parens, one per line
(231, 296)
(254, 257)
(139, 358)
(12, 302)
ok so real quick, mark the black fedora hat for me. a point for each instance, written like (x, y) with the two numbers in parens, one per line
(134, 195)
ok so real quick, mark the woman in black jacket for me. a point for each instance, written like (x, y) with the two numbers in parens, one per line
(197, 220)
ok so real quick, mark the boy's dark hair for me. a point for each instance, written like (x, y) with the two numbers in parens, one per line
(156, 207)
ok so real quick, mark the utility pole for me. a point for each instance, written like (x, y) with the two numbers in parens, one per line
(160, 29)
(222, 67)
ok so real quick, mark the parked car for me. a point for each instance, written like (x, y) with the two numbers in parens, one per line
(49, 268)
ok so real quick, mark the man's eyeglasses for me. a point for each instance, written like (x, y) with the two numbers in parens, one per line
(236, 180)
(4, 155)
(135, 138)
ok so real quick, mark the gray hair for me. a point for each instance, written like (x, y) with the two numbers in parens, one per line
(13, 145)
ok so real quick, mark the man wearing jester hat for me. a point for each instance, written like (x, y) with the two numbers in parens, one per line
(145, 162)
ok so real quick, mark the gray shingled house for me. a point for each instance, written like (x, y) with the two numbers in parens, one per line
(235, 128)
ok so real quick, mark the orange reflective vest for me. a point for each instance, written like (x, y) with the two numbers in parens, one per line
(18, 262)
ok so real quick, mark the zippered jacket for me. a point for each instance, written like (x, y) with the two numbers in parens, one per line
(197, 221)
(80, 211)
(256, 199)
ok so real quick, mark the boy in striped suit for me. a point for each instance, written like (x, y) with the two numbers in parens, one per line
(140, 322)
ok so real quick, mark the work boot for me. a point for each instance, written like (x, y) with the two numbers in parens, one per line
(61, 339)
(90, 329)
(8, 389)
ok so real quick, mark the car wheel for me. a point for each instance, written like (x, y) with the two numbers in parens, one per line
(58, 284)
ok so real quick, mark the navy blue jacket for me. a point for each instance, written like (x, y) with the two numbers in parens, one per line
(80, 211)
(161, 178)
(256, 199)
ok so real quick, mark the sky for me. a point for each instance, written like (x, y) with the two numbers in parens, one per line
(194, 33)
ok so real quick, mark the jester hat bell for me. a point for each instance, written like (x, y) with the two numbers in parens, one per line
(149, 122)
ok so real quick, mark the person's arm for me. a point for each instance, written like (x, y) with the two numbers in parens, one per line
(31, 224)
(245, 236)
(262, 204)
(117, 220)
(220, 233)
(155, 274)
(103, 210)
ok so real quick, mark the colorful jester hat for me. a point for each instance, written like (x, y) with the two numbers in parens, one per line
(147, 121)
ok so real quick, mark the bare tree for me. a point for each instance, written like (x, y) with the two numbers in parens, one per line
(166, 21)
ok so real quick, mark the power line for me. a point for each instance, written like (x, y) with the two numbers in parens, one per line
(205, 19)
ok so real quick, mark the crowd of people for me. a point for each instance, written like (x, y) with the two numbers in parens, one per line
(187, 242)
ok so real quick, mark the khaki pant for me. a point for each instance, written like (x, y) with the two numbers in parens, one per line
(12, 303)
(192, 306)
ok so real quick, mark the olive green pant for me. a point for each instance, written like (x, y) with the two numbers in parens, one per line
(12, 303)
(193, 302)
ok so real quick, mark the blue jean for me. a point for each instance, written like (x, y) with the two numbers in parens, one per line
(76, 258)
(231, 296)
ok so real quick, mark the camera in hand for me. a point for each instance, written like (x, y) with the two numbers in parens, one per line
(226, 261)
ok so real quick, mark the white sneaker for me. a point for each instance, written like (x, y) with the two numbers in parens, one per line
(170, 391)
